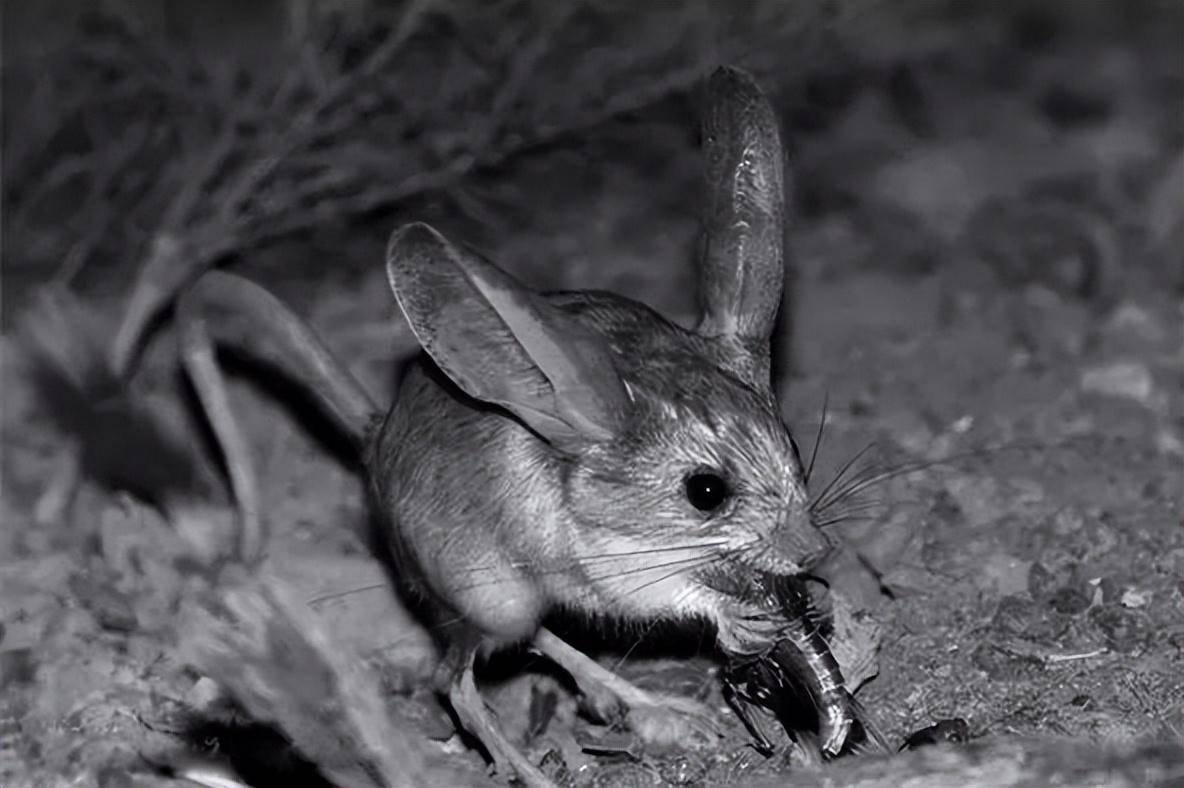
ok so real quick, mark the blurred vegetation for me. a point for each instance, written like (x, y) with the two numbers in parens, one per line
(163, 137)
(143, 128)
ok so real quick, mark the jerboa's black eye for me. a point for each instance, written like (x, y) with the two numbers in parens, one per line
(706, 490)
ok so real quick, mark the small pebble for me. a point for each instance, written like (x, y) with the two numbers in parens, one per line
(204, 693)
(962, 425)
(1129, 317)
(1124, 631)
(1128, 379)
(1168, 443)
(1134, 599)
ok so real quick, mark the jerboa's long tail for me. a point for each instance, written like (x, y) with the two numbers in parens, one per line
(128, 444)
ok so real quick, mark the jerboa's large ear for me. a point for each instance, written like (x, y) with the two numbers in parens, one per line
(742, 274)
(501, 343)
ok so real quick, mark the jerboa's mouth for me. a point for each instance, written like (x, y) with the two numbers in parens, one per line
(799, 655)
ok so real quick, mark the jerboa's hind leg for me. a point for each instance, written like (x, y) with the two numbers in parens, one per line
(455, 677)
(228, 310)
(655, 718)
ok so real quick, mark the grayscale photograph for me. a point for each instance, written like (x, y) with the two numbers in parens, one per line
(588, 393)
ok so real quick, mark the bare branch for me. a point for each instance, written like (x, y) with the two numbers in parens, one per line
(342, 125)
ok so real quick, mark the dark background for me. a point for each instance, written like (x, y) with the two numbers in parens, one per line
(116, 112)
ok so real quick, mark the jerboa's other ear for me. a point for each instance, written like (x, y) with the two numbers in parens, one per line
(741, 273)
(501, 343)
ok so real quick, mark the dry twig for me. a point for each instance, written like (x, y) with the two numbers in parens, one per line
(365, 109)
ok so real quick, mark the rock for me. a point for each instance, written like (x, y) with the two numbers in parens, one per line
(1125, 379)
(204, 693)
(1133, 319)
(1126, 631)
(1167, 442)
(1133, 598)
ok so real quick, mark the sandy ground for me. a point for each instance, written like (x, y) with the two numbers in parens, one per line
(987, 286)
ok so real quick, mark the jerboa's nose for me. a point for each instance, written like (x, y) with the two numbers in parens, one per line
(799, 540)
